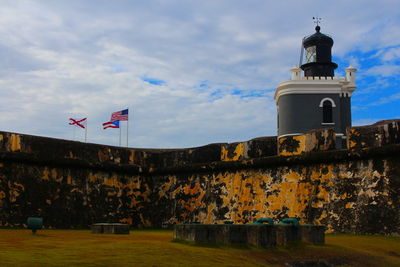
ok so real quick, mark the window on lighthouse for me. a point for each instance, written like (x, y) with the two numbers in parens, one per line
(327, 116)
(311, 54)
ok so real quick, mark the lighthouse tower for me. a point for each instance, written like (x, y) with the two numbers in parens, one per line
(314, 98)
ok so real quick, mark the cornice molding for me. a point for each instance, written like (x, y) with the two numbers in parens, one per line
(314, 86)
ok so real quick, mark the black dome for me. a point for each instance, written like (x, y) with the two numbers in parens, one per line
(318, 39)
(318, 49)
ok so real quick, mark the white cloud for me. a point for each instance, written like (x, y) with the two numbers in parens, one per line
(385, 100)
(391, 54)
(77, 58)
(384, 70)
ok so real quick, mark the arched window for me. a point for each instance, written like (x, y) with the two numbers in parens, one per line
(327, 105)
(327, 114)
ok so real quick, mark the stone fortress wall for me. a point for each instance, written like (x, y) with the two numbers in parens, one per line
(73, 184)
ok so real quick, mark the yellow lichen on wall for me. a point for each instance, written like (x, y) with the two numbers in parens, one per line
(259, 180)
(324, 215)
(53, 173)
(224, 154)
(287, 197)
(322, 173)
(132, 157)
(299, 150)
(46, 174)
(301, 200)
(239, 153)
(15, 190)
(322, 197)
(292, 193)
(293, 176)
(199, 200)
(236, 193)
(190, 196)
(144, 222)
(176, 191)
(244, 192)
(126, 220)
(350, 143)
(244, 195)
(112, 181)
(104, 155)
(165, 187)
(15, 142)
(92, 177)
(69, 179)
(231, 191)
(210, 217)
(133, 190)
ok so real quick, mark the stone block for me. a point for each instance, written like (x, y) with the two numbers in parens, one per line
(312, 141)
(312, 234)
(258, 235)
(97, 228)
(286, 233)
(110, 228)
(203, 234)
(237, 234)
(261, 235)
(121, 228)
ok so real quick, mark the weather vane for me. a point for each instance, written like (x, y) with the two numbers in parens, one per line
(317, 20)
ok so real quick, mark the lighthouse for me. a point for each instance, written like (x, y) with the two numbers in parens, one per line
(314, 97)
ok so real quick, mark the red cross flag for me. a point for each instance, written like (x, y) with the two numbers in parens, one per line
(79, 123)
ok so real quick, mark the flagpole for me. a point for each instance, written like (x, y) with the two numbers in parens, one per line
(74, 134)
(127, 129)
(120, 134)
(86, 130)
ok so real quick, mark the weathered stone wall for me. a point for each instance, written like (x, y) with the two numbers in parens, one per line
(71, 197)
(73, 184)
(344, 192)
(379, 134)
(58, 151)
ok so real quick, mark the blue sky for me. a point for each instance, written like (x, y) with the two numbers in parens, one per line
(191, 72)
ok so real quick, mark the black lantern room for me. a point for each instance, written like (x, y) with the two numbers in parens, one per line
(318, 55)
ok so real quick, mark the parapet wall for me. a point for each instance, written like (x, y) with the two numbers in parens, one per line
(37, 149)
(72, 184)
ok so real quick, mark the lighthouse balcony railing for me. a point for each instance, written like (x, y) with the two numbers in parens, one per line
(320, 78)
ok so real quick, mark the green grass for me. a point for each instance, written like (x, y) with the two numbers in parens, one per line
(155, 248)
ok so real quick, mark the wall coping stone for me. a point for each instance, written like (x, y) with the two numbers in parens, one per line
(306, 158)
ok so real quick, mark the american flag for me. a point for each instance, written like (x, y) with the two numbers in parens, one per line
(120, 115)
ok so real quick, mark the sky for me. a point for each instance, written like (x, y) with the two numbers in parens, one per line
(191, 72)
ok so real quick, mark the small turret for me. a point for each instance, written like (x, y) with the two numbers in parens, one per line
(350, 75)
(296, 73)
(318, 48)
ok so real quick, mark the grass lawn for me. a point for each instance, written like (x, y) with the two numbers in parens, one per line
(154, 248)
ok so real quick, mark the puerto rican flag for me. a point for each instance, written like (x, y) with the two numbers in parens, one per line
(78, 122)
(119, 115)
(110, 124)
